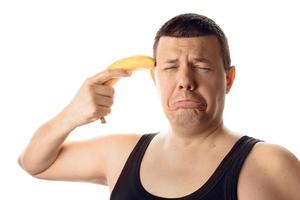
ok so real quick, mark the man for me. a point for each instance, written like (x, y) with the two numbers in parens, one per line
(199, 158)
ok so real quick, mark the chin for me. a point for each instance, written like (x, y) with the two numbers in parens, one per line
(187, 117)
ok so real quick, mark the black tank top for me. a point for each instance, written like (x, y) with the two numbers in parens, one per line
(222, 185)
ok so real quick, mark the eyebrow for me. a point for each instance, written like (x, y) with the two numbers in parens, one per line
(175, 60)
(171, 61)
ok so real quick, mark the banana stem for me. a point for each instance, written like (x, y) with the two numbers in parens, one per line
(102, 119)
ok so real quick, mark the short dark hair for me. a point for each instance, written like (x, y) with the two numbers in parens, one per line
(194, 25)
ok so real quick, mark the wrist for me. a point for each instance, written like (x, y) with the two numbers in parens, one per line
(63, 121)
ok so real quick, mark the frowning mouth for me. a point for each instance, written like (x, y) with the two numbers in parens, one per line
(188, 103)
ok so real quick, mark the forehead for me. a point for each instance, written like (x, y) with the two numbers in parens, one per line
(203, 46)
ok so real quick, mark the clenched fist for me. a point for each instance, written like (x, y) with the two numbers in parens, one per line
(94, 98)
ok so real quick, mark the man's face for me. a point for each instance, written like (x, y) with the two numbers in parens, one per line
(191, 80)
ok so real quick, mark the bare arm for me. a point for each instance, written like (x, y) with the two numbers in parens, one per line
(48, 156)
(270, 173)
(45, 145)
(284, 173)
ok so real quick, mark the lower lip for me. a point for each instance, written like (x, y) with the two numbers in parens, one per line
(188, 104)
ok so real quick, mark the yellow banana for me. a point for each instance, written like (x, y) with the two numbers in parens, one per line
(131, 63)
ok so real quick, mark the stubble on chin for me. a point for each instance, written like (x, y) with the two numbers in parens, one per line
(186, 117)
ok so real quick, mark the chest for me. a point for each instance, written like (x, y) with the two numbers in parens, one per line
(173, 179)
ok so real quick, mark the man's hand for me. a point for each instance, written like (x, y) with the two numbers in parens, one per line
(94, 99)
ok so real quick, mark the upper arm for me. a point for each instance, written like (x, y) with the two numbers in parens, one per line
(84, 160)
(270, 173)
(284, 170)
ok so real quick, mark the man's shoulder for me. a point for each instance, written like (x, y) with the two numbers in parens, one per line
(272, 157)
(119, 148)
(119, 141)
(123, 137)
(270, 172)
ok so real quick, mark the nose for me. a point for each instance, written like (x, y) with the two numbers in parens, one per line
(186, 79)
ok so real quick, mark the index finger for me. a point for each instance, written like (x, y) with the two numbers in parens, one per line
(107, 75)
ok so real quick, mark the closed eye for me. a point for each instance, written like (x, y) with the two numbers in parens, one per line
(169, 68)
(203, 68)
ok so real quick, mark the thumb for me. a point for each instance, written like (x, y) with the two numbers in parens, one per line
(111, 82)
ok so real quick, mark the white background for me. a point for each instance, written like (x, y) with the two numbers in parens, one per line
(48, 48)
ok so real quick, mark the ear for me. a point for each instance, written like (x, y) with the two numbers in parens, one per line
(230, 76)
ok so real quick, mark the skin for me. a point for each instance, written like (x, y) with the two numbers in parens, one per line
(190, 70)
(194, 63)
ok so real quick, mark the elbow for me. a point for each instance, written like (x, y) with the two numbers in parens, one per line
(30, 170)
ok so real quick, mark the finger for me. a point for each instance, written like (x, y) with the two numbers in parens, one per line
(103, 101)
(111, 82)
(104, 90)
(106, 75)
(102, 111)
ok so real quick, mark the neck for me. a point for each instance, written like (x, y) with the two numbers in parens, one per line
(189, 137)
